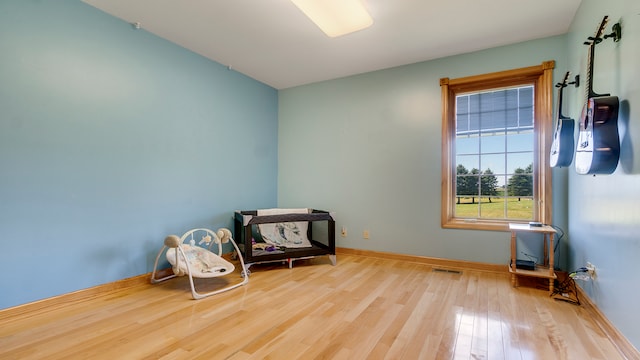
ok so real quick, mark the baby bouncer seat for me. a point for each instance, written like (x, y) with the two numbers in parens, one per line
(199, 262)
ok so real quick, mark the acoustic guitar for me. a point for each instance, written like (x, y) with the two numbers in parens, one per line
(598, 148)
(562, 147)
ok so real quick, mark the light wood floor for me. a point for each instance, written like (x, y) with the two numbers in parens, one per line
(363, 308)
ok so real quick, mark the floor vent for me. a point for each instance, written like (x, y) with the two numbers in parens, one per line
(447, 271)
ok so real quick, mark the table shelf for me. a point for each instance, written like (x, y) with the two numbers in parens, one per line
(539, 272)
(545, 270)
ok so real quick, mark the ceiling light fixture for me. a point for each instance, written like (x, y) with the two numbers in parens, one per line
(336, 17)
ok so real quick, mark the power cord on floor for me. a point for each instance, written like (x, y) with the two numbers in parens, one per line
(566, 290)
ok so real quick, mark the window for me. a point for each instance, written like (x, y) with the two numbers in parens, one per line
(495, 142)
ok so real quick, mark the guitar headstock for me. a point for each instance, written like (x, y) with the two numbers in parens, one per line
(597, 38)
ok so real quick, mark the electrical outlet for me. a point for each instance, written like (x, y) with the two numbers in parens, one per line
(591, 270)
(344, 232)
(365, 234)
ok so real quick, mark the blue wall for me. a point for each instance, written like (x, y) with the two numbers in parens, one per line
(604, 211)
(369, 148)
(110, 139)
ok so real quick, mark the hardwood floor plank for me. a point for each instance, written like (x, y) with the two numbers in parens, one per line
(497, 342)
(363, 308)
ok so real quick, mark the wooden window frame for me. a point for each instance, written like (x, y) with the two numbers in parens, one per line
(541, 77)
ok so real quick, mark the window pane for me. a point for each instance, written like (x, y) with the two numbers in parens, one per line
(468, 162)
(526, 117)
(493, 208)
(520, 208)
(467, 145)
(466, 185)
(494, 143)
(495, 162)
(525, 111)
(474, 103)
(520, 141)
(492, 121)
(488, 184)
(467, 207)
(519, 185)
(522, 161)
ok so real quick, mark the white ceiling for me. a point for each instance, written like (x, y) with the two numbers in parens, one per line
(275, 43)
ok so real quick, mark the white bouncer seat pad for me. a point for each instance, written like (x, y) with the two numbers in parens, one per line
(202, 262)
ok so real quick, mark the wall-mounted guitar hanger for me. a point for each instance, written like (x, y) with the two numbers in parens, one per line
(575, 82)
(616, 33)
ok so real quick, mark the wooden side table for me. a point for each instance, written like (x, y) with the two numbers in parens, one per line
(544, 270)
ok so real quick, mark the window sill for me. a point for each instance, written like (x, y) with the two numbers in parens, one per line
(479, 224)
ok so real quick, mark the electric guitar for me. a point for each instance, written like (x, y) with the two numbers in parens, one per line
(598, 149)
(562, 146)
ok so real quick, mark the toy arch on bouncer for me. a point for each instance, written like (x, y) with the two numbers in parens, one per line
(199, 262)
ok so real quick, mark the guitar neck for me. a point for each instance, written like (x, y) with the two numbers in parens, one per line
(561, 86)
(593, 41)
(560, 116)
(589, 88)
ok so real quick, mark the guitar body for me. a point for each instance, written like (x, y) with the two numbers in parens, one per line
(562, 146)
(598, 149)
